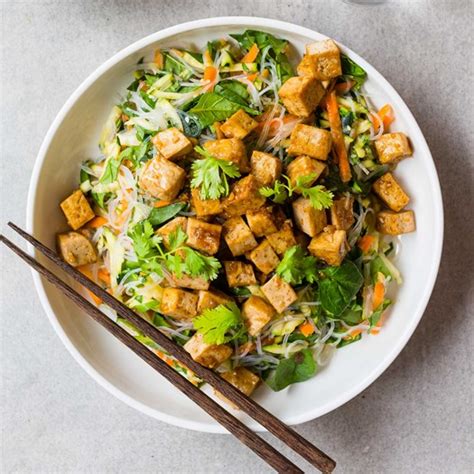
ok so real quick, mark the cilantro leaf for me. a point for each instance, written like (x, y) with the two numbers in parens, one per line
(278, 194)
(220, 324)
(141, 235)
(295, 267)
(319, 196)
(197, 264)
(210, 174)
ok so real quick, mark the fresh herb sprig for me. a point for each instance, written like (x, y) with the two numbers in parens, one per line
(220, 324)
(210, 175)
(320, 197)
(296, 266)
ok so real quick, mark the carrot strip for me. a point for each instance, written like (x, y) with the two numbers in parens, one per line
(97, 222)
(306, 329)
(104, 276)
(158, 59)
(252, 77)
(386, 115)
(161, 203)
(344, 87)
(265, 73)
(338, 137)
(94, 298)
(210, 75)
(379, 295)
(365, 242)
(252, 54)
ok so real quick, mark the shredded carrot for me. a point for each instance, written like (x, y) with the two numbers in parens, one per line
(104, 276)
(376, 329)
(85, 270)
(164, 357)
(161, 203)
(386, 115)
(94, 298)
(251, 56)
(265, 73)
(338, 137)
(97, 222)
(252, 77)
(219, 134)
(366, 242)
(379, 295)
(158, 59)
(306, 329)
(210, 74)
(344, 87)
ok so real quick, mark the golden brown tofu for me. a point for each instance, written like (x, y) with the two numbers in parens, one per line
(238, 236)
(205, 207)
(283, 239)
(256, 313)
(208, 355)
(178, 304)
(171, 227)
(238, 125)
(395, 223)
(229, 149)
(304, 166)
(262, 222)
(210, 299)
(244, 197)
(203, 236)
(193, 283)
(301, 95)
(242, 379)
(321, 61)
(279, 293)
(264, 257)
(172, 144)
(330, 246)
(76, 249)
(265, 167)
(239, 274)
(390, 192)
(392, 147)
(311, 141)
(161, 178)
(308, 219)
(77, 210)
(342, 214)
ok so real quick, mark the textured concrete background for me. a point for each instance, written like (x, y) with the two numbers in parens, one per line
(417, 417)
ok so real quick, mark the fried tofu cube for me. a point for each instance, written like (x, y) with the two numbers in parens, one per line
(312, 141)
(208, 355)
(303, 166)
(172, 143)
(262, 222)
(239, 274)
(301, 95)
(308, 219)
(342, 214)
(256, 313)
(330, 246)
(76, 249)
(264, 257)
(279, 293)
(178, 304)
(203, 236)
(265, 167)
(395, 223)
(283, 239)
(242, 379)
(321, 61)
(77, 210)
(190, 282)
(238, 236)
(392, 147)
(205, 207)
(244, 197)
(390, 192)
(210, 299)
(170, 227)
(229, 149)
(161, 178)
(239, 125)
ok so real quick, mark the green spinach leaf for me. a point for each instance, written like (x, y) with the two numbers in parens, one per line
(162, 214)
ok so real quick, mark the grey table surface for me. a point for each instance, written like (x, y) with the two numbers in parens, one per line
(417, 417)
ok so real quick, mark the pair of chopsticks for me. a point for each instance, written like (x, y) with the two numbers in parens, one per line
(260, 447)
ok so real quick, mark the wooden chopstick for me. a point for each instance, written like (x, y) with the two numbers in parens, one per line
(275, 426)
(232, 424)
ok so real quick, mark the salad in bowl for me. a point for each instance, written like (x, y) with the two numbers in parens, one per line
(245, 207)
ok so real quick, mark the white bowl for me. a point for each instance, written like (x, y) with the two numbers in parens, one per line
(73, 137)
